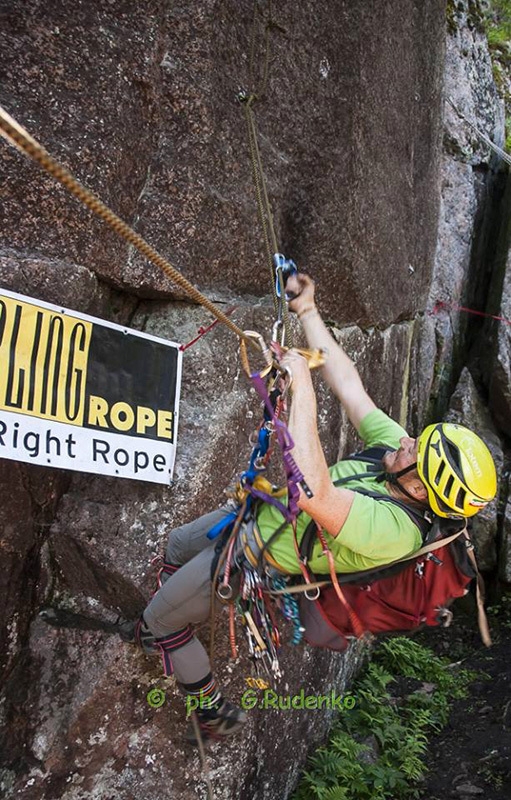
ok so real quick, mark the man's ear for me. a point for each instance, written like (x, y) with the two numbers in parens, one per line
(418, 490)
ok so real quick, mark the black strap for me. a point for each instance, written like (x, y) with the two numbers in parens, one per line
(422, 519)
(374, 456)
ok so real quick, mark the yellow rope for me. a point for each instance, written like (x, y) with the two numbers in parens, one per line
(20, 138)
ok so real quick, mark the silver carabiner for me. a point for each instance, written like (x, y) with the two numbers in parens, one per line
(265, 350)
(318, 592)
(287, 376)
(224, 591)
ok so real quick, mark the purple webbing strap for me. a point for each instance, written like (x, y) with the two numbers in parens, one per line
(166, 644)
(293, 474)
(267, 498)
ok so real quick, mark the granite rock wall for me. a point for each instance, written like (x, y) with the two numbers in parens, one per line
(141, 105)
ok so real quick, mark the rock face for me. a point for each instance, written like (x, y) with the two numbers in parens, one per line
(162, 139)
(467, 187)
(498, 333)
(467, 408)
(140, 105)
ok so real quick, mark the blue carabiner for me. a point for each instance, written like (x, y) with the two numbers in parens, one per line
(286, 266)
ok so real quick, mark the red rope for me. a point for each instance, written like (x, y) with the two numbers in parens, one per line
(440, 304)
(202, 331)
(232, 631)
(357, 626)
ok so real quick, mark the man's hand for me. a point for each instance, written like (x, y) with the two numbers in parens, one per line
(298, 368)
(339, 370)
(300, 288)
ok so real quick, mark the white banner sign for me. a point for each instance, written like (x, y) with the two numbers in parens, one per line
(85, 394)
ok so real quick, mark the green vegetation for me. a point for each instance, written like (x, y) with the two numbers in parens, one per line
(490, 772)
(497, 20)
(498, 25)
(347, 768)
(501, 611)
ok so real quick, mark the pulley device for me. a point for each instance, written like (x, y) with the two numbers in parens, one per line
(284, 268)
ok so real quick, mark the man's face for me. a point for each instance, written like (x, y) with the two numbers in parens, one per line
(404, 457)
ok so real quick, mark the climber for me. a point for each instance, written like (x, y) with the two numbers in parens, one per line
(447, 470)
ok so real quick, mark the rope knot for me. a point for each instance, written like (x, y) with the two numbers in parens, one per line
(246, 98)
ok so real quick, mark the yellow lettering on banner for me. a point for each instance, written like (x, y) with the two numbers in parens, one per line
(164, 428)
(146, 418)
(44, 357)
(123, 417)
(98, 409)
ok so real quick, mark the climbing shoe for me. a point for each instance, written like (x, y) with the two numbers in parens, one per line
(126, 630)
(216, 723)
(137, 632)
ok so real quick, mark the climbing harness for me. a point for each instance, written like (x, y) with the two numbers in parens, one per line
(253, 602)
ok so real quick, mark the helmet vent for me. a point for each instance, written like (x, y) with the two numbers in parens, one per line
(448, 486)
(460, 498)
(454, 453)
(440, 472)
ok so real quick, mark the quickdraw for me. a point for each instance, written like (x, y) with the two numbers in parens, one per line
(261, 630)
(284, 268)
(289, 607)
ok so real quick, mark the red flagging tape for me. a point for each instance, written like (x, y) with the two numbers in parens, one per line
(440, 304)
(202, 331)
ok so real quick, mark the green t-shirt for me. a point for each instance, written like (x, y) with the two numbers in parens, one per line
(374, 533)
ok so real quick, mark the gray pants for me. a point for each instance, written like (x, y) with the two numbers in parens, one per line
(185, 597)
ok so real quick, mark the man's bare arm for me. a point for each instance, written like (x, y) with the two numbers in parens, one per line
(339, 371)
(329, 506)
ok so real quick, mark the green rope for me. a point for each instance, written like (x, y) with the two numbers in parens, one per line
(264, 209)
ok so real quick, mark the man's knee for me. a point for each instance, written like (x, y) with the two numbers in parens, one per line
(183, 599)
(178, 544)
(174, 551)
(186, 541)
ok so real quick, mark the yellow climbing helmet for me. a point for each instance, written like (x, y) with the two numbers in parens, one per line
(457, 469)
